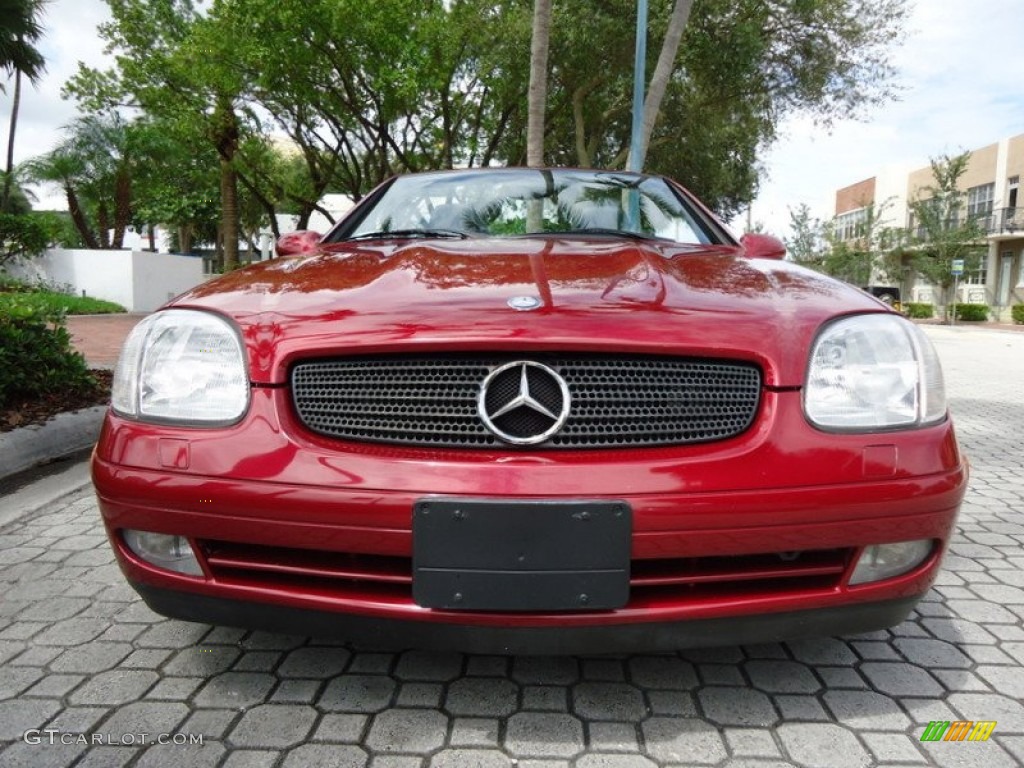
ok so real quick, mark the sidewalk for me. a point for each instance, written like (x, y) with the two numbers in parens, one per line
(100, 337)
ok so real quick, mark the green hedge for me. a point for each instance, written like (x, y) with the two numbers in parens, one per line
(1017, 313)
(50, 303)
(971, 312)
(36, 356)
(918, 311)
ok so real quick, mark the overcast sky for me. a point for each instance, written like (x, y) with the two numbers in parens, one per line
(961, 68)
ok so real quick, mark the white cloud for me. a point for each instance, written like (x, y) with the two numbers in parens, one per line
(961, 69)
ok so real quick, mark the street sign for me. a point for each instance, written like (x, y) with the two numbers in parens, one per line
(958, 267)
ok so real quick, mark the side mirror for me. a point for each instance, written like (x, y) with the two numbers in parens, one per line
(758, 246)
(298, 243)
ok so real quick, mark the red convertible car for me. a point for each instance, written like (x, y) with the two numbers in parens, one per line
(530, 411)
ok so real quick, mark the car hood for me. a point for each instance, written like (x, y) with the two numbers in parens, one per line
(587, 295)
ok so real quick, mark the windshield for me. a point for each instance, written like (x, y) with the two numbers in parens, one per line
(516, 202)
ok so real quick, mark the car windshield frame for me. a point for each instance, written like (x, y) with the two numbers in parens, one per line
(528, 202)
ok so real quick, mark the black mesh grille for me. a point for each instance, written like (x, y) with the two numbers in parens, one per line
(616, 401)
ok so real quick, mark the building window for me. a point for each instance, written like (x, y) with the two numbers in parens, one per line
(980, 200)
(850, 225)
(977, 270)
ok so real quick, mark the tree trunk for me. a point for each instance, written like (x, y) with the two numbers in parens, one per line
(78, 218)
(662, 74)
(538, 83)
(9, 175)
(122, 206)
(229, 214)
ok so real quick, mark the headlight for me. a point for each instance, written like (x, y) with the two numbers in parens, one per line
(874, 372)
(182, 366)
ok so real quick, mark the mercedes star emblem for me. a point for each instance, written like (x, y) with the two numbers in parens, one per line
(523, 402)
(524, 303)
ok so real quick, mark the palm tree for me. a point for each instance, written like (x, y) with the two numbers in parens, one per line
(66, 168)
(538, 83)
(19, 31)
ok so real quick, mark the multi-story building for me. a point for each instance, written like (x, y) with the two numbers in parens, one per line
(991, 187)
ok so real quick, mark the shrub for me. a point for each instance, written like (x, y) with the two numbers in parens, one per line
(972, 312)
(1017, 313)
(36, 357)
(919, 311)
(21, 236)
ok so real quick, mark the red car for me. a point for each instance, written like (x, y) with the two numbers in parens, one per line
(530, 411)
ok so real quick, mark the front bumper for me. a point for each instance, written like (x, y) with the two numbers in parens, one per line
(735, 542)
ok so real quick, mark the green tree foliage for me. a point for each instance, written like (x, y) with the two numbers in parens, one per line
(20, 30)
(941, 230)
(806, 246)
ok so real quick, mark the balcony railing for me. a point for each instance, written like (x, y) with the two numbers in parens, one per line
(1003, 220)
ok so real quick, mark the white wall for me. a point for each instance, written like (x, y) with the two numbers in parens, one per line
(140, 281)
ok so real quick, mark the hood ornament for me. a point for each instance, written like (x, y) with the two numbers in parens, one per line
(523, 303)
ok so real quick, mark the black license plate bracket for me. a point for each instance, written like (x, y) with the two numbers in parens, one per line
(522, 555)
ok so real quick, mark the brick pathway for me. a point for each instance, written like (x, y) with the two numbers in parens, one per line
(80, 655)
(99, 337)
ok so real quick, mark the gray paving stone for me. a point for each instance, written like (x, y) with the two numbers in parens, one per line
(257, 661)
(418, 731)
(371, 663)
(108, 757)
(1005, 680)
(175, 688)
(146, 717)
(751, 742)
(534, 734)
(1007, 711)
(34, 656)
(894, 748)
(614, 761)
(251, 758)
(866, 710)
(114, 687)
(546, 698)
(207, 755)
(721, 674)
(686, 741)
(474, 732)
(314, 662)
(900, 679)
(603, 670)
(959, 680)
(16, 717)
(781, 677)
(487, 666)
(545, 670)
(981, 611)
(823, 745)
(344, 729)
(482, 697)
(395, 761)
(212, 724)
(951, 754)
(235, 690)
(959, 631)
(609, 701)
(932, 653)
(663, 672)
(471, 758)
(271, 641)
(273, 726)
(737, 706)
(612, 737)
(54, 686)
(22, 755)
(679, 703)
(800, 708)
(296, 692)
(420, 695)
(54, 609)
(91, 658)
(70, 632)
(358, 693)
(145, 658)
(200, 661)
(875, 650)
(17, 679)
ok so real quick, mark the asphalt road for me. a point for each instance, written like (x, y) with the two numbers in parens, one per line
(90, 677)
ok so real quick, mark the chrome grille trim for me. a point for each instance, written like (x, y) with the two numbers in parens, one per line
(617, 400)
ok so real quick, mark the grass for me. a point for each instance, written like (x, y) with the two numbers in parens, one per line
(15, 292)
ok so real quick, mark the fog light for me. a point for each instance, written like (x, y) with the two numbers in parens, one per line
(883, 561)
(163, 550)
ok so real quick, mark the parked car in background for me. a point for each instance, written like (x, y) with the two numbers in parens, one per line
(530, 411)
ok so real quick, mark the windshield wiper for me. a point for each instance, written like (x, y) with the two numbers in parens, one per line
(451, 234)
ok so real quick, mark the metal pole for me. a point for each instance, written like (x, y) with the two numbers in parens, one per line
(639, 74)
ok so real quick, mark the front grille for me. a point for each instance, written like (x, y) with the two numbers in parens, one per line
(616, 401)
(671, 581)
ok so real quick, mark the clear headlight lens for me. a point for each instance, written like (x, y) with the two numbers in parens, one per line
(874, 372)
(182, 366)
(164, 550)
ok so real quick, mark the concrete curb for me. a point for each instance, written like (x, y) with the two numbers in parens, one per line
(63, 435)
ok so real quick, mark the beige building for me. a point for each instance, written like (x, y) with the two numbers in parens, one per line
(991, 184)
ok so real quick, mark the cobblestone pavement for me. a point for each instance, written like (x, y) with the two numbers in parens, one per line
(82, 657)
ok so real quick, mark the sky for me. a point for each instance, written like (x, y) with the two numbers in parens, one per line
(961, 71)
